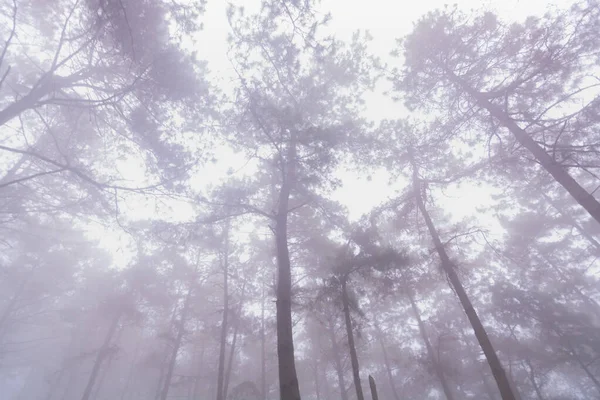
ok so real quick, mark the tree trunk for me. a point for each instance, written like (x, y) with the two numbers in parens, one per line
(101, 355)
(161, 374)
(288, 378)
(429, 348)
(351, 345)
(386, 360)
(338, 362)
(106, 365)
(231, 358)
(221, 368)
(558, 172)
(200, 363)
(263, 363)
(132, 367)
(373, 388)
(176, 345)
(316, 378)
(537, 389)
(486, 345)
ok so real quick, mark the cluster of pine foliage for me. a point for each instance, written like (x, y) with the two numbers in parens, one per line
(166, 234)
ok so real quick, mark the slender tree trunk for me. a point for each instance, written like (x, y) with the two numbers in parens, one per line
(558, 172)
(288, 378)
(101, 355)
(263, 363)
(504, 386)
(231, 359)
(176, 345)
(132, 367)
(221, 368)
(429, 348)
(583, 366)
(338, 362)
(351, 345)
(200, 363)
(165, 358)
(386, 360)
(316, 377)
(106, 365)
(374, 395)
(536, 387)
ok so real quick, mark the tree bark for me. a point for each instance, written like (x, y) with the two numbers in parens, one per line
(337, 361)
(288, 378)
(373, 388)
(504, 386)
(221, 368)
(101, 355)
(558, 172)
(351, 345)
(386, 360)
(429, 348)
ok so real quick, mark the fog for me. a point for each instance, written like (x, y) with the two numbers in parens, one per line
(300, 199)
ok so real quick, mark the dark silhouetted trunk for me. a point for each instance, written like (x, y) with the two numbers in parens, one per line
(351, 345)
(337, 361)
(374, 395)
(386, 360)
(176, 345)
(436, 365)
(288, 378)
(101, 356)
(221, 367)
(558, 172)
(506, 391)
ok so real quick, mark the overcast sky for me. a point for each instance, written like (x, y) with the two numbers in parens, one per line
(386, 21)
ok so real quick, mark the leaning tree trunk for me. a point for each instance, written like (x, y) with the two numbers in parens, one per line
(101, 355)
(558, 172)
(504, 386)
(338, 362)
(436, 365)
(176, 345)
(351, 345)
(288, 378)
(221, 368)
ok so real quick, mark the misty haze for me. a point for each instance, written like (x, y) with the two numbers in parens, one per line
(299, 199)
